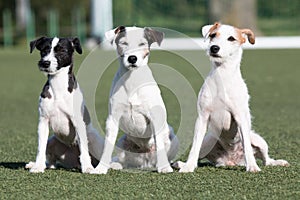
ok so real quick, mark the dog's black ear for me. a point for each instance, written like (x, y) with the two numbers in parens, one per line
(120, 29)
(76, 44)
(36, 43)
(153, 35)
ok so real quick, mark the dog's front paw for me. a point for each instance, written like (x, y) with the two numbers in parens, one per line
(34, 168)
(278, 163)
(186, 168)
(253, 168)
(166, 169)
(29, 165)
(116, 166)
(178, 164)
(100, 169)
(87, 169)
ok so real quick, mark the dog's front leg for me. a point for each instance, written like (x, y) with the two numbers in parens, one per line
(163, 165)
(85, 159)
(43, 133)
(244, 129)
(112, 128)
(199, 132)
(160, 129)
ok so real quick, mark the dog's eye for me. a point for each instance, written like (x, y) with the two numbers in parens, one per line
(142, 44)
(44, 53)
(213, 35)
(124, 43)
(231, 39)
(46, 48)
(57, 48)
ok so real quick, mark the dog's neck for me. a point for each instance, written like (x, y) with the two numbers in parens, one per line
(63, 81)
(132, 80)
(231, 64)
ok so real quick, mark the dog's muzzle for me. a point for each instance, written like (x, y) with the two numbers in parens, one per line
(213, 51)
(44, 64)
(132, 60)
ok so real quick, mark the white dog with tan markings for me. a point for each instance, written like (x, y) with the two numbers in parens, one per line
(223, 108)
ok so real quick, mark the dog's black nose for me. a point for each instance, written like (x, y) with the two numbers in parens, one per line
(214, 49)
(44, 64)
(132, 59)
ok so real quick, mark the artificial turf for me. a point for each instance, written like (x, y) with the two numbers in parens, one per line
(273, 80)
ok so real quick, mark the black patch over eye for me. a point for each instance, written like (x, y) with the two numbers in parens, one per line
(45, 50)
(43, 53)
(231, 39)
(60, 48)
(213, 35)
(57, 48)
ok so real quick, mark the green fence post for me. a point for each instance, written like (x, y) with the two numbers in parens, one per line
(83, 25)
(78, 24)
(53, 23)
(30, 26)
(7, 28)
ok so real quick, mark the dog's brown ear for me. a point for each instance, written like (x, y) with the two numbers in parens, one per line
(208, 29)
(76, 44)
(36, 43)
(250, 35)
(214, 27)
(153, 35)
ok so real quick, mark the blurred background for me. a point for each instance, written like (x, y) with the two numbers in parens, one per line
(23, 20)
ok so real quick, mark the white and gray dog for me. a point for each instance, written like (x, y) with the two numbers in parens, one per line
(62, 108)
(223, 108)
(136, 106)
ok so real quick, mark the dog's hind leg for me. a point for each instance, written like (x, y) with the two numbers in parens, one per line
(51, 154)
(174, 145)
(95, 142)
(96, 145)
(261, 151)
(208, 144)
(58, 152)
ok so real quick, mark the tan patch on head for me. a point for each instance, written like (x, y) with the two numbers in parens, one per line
(248, 32)
(214, 27)
(213, 30)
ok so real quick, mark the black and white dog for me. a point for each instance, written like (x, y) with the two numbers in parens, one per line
(62, 107)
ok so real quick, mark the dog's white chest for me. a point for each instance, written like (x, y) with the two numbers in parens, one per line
(134, 119)
(56, 112)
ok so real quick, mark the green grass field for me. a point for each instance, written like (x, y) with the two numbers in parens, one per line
(273, 80)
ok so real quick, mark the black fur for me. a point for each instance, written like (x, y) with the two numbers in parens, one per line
(72, 80)
(45, 92)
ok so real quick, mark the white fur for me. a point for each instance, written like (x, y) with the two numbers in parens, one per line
(137, 108)
(222, 103)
